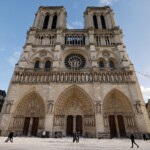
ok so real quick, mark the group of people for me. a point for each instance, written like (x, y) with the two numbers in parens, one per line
(76, 136)
(145, 138)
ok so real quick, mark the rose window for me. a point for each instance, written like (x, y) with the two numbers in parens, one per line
(75, 61)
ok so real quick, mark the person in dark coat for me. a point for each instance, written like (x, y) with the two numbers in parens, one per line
(10, 137)
(144, 137)
(74, 136)
(133, 141)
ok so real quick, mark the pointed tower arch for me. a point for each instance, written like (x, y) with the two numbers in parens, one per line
(54, 22)
(46, 21)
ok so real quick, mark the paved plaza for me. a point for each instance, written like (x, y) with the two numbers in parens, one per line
(67, 144)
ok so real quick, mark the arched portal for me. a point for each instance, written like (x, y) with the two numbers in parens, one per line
(118, 112)
(74, 107)
(29, 115)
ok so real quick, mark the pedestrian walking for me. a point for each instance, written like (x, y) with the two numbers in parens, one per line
(78, 137)
(74, 136)
(133, 141)
(10, 137)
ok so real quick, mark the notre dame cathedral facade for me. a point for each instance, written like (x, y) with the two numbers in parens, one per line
(74, 79)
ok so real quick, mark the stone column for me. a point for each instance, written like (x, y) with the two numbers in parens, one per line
(117, 126)
(90, 19)
(108, 21)
(74, 123)
(36, 20)
(49, 117)
(30, 126)
(112, 19)
(99, 118)
(60, 20)
(41, 21)
(85, 21)
(99, 22)
(50, 22)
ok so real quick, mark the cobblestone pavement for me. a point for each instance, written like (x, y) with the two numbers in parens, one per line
(67, 144)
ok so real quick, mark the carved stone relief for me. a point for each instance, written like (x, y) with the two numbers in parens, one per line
(105, 54)
(89, 120)
(58, 120)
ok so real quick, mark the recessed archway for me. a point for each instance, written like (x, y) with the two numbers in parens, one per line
(29, 115)
(76, 98)
(116, 107)
(75, 102)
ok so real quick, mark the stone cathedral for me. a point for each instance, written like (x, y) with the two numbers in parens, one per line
(74, 79)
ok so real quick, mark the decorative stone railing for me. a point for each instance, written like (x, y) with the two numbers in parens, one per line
(45, 38)
(31, 76)
(75, 39)
(104, 39)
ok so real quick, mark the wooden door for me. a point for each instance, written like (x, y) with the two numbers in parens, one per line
(26, 125)
(79, 124)
(35, 126)
(69, 125)
(121, 126)
(112, 126)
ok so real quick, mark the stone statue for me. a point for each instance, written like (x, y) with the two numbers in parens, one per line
(8, 107)
(98, 108)
(138, 107)
(50, 108)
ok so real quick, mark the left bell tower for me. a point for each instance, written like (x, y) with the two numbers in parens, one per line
(46, 31)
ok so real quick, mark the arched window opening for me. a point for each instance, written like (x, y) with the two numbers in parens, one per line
(54, 23)
(47, 64)
(112, 64)
(45, 25)
(101, 64)
(103, 22)
(37, 64)
(95, 22)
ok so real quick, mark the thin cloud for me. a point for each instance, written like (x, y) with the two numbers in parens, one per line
(77, 23)
(146, 93)
(15, 57)
(70, 26)
(2, 49)
(106, 2)
(75, 5)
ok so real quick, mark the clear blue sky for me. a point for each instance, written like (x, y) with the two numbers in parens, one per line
(133, 16)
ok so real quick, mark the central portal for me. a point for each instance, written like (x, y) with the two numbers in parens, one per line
(74, 123)
(74, 111)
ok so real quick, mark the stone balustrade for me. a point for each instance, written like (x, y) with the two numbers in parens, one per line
(104, 39)
(29, 76)
(75, 38)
